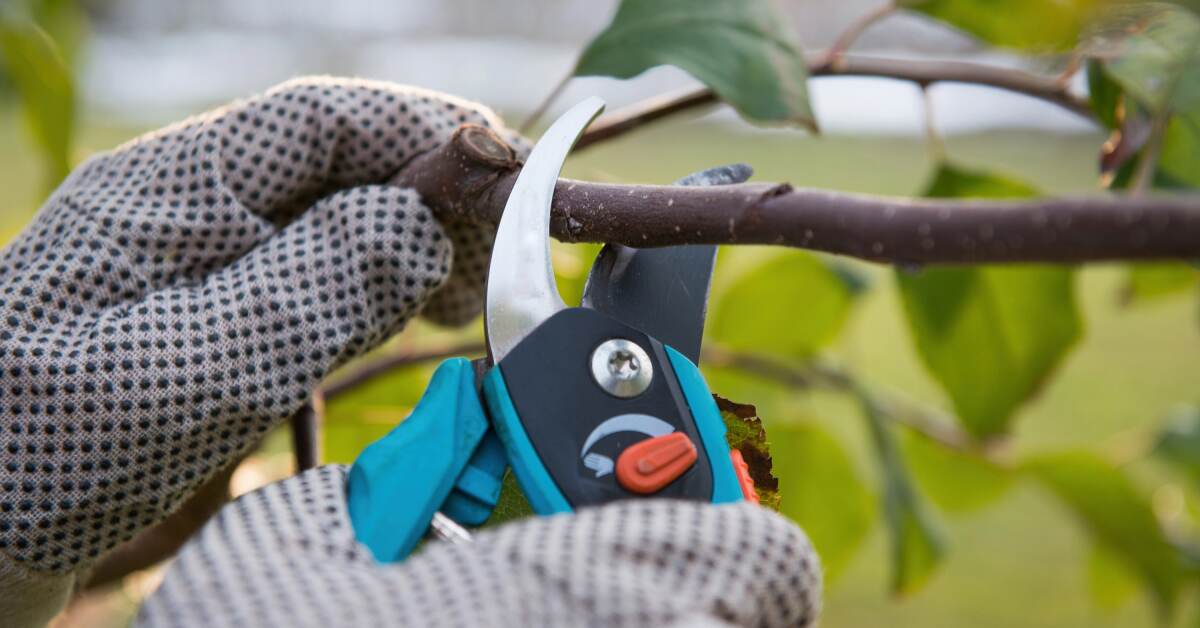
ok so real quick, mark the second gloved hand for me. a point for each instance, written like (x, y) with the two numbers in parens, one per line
(285, 555)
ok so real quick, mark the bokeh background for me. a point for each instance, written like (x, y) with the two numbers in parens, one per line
(1016, 555)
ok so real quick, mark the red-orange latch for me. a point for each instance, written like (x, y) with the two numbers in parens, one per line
(743, 475)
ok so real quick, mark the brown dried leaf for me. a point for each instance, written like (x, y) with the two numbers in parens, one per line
(744, 431)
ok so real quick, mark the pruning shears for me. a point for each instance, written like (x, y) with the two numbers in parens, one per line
(585, 405)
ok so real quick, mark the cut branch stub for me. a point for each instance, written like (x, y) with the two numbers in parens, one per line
(455, 177)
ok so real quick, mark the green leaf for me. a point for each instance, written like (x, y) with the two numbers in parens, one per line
(951, 181)
(35, 66)
(955, 481)
(1104, 95)
(1110, 582)
(1152, 280)
(1036, 25)
(1153, 51)
(741, 50)
(1117, 516)
(358, 418)
(512, 503)
(825, 494)
(791, 306)
(917, 543)
(1179, 442)
(1179, 158)
(989, 335)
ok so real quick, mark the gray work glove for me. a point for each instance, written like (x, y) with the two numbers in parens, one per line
(178, 297)
(285, 555)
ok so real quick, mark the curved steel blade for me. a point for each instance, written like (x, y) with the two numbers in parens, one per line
(521, 291)
(663, 291)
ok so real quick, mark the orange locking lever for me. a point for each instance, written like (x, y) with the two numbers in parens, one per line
(655, 462)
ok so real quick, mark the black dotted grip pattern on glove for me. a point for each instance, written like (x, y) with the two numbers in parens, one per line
(286, 555)
(178, 297)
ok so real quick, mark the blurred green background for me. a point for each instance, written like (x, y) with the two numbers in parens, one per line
(1015, 552)
(1021, 560)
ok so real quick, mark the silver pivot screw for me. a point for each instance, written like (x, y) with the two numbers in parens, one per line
(622, 368)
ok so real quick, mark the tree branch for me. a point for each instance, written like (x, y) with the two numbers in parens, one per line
(855, 30)
(923, 421)
(923, 73)
(379, 366)
(470, 178)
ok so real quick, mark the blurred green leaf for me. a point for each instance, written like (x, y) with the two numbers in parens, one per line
(512, 503)
(825, 494)
(955, 481)
(1117, 516)
(1179, 442)
(1179, 158)
(1151, 50)
(742, 50)
(917, 543)
(989, 335)
(65, 22)
(359, 417)
(1104, 94)
(572, 263)
(36, 67)
(1035, 25)
(1110, 582)
(951, 181)
(791, 305)
(1151, 280)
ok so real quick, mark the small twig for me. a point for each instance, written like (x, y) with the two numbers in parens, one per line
(923, 421)
(933, 139)
(855, 30)
(642, 113)
(527, 126)
(306, 435)
(923, 73)
(1143, 176)
(386, 364)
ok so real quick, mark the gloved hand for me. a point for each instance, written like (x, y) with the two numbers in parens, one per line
(286, 555)
(179, 296)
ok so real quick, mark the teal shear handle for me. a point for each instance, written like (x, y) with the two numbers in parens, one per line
(442, 457)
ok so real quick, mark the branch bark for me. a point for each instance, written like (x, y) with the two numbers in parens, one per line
(923, 73)
(470, 178)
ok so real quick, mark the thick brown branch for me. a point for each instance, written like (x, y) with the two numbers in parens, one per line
(884, 229)
(923, 73)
